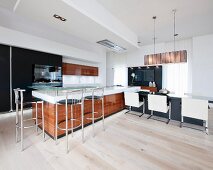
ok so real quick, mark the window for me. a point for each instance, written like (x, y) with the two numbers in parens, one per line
(120, 76)
(175, 78)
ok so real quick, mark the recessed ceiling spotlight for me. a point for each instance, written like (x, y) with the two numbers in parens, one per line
(59, 17)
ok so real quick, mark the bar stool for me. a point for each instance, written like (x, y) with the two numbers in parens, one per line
(97, 95)
(20, 118)
(73, 98)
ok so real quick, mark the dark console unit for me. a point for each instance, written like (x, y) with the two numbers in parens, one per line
(141, 76)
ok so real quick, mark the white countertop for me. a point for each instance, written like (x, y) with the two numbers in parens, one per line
(193, 96)
(54, 95)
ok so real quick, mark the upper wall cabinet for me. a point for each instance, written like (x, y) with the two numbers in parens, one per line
(75, 69)
(37, 57)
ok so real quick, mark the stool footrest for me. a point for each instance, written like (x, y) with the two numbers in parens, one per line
(74, 127)
(26, 127)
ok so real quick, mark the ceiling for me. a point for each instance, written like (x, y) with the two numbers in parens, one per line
(78, 24)
(193, 17)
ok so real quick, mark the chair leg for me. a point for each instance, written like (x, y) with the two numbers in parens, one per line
(168, 121)
(169, 113)
(181, 123)
(143, 110)
(206, 127)
(128, 110)
(150, 115)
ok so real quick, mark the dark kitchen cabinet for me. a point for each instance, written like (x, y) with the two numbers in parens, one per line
(41, 58)
(23, 61)
(22, 71)
(5, 78)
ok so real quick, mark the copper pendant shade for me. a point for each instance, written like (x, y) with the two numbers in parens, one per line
(167, 57)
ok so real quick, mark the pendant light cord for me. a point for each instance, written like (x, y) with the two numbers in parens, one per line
(174, 11)
(154, 38)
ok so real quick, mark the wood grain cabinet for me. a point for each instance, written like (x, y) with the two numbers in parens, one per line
(75, 69)
(152, 89)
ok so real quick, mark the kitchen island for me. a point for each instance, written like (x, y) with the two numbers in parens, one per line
(113, 103)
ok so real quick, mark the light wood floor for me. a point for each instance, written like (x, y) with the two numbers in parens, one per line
(129, 142)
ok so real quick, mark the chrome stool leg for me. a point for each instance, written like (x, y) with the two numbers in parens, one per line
(103, 113)
(67, 146)
(17, 122)
(82, 120)
(43, 125)
(22, 123)
(93, 117)
(71, 120)
(56, 123)
(36, 110)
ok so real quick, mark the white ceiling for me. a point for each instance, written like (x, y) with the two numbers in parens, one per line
(17, 22)
(193, 17)
(77, 24)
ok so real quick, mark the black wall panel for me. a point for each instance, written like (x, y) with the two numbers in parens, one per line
(4, 78)
(22, 67)
(22, 71)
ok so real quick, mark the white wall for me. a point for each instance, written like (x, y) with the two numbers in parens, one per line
(202, 79)
(20, 39)
(136, 58)
(200, 62)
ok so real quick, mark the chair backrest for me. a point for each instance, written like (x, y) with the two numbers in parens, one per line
(195, 108)
(73, 94)
(19, 95)
(131, 99)
(98, 92)
(157, 103)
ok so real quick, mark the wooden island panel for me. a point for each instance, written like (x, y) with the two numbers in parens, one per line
(112, 104)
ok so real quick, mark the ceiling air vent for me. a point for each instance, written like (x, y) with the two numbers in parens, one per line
(111, 46)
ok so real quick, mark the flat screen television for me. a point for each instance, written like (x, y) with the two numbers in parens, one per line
(46, 73)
